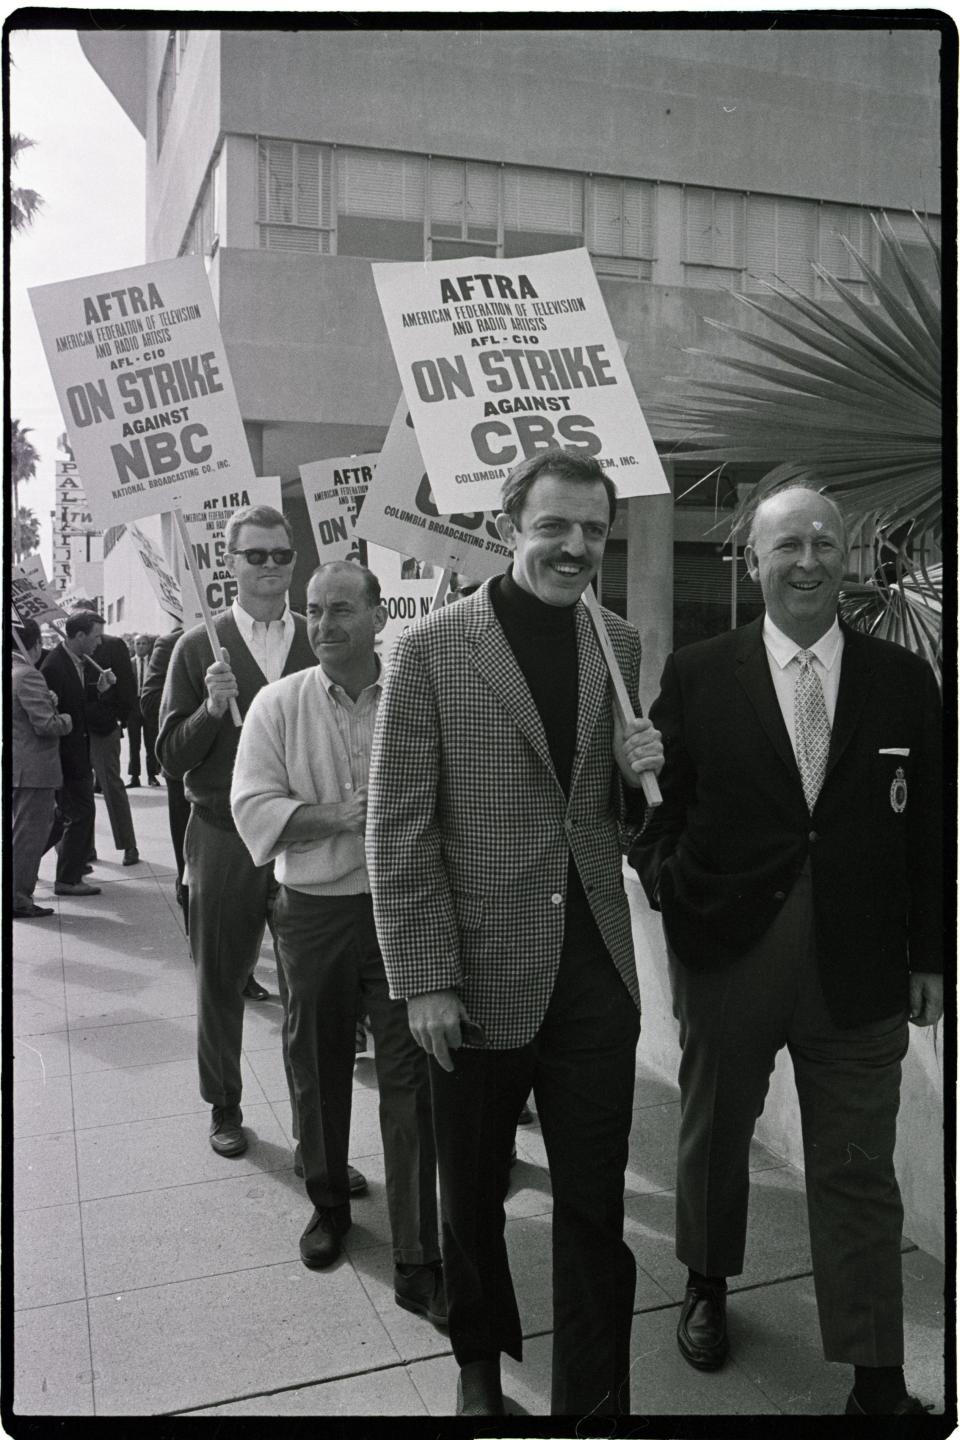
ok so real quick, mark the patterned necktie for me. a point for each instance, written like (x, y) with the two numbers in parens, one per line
(812, 727)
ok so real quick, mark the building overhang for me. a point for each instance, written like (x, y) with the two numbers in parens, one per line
(120, 59)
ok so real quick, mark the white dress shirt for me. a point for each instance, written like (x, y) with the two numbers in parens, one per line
(781, 651)
(268, 641)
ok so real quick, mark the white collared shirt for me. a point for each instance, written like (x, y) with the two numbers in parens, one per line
(268, 641)
(355, 720)
(781, 651)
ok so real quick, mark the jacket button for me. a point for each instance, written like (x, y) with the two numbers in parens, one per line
(779, 894)
(556, 899)
(813, 836)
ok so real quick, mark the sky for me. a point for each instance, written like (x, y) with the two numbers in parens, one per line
(88, 163)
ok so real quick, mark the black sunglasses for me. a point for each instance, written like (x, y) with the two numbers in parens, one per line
(259, 557)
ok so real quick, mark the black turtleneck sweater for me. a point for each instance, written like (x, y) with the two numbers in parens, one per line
(543, 639)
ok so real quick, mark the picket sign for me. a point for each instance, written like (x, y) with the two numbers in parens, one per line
(648, 780)
(443, 585)
(194, 569)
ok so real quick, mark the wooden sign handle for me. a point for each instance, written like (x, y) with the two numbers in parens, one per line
(443, 585)
(212, 635)
(648, 780)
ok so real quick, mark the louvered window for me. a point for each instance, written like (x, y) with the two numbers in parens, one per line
(620, 228)
(542, 211)
(713, 237)
(293, 196)
(380, 204)
(851, 222)
(464, 209)
(781, 241)
(918, 252)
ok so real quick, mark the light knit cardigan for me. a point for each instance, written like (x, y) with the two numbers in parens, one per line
(291, 753)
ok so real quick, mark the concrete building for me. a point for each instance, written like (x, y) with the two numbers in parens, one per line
(690, 163)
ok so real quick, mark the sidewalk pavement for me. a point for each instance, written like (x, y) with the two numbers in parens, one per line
(153, 1277)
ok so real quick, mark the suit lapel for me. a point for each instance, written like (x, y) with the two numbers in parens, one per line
(753, 673)
(493, 658)
(593, 685)
(857, 663)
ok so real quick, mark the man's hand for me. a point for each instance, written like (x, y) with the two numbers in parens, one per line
(636, 747)
(353, 811)
(926, 998)
(105, 679)
(221, 686)
(434, 1020)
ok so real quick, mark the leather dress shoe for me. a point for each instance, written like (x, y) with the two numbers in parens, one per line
(226, 1133)
(253, 990)
(909, 1405)
(320, 1242)
(702, 1328)
(80, 888)
(422, 1292)
(478, 1388)
(131, 856)
(357, 1183)
(34, 912)
(133, 784)
(154, 783)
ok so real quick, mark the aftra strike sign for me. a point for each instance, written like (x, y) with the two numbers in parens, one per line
(334, 491)
(141, 374)
(501, 359)
(206, 526)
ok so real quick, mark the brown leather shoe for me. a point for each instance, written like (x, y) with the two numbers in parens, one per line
(226, 1134)
(702, 1327)
(320, 1242)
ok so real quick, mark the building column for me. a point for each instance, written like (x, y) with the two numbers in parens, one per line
(650, 583)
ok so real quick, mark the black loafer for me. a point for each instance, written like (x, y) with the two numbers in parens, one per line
(226, 1132)
(320, 1242)
(422, 1292)
(702, 1327)
(253, 990)
(909, 1405)
(478, 1388)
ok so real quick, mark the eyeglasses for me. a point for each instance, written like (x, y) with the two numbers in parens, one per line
(259, 557)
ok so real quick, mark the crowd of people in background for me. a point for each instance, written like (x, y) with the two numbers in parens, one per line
(436, 847)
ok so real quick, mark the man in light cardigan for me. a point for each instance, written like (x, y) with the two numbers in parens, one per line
(299, 798)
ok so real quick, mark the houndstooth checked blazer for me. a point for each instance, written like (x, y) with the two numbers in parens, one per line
(468, 828)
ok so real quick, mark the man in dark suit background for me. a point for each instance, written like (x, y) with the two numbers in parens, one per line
(64, 670)
(796, 859)
(36, 775)
(141, 724)
(108, 709)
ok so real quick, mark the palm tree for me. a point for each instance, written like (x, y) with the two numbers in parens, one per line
(855, 407)
(24, 204)
(28, 532)
(24, 459)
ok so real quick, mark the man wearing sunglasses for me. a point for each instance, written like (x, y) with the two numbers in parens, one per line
(230, 897)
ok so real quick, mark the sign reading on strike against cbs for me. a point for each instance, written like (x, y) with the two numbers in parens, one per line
(206, 526)
(502, 359)
(141, 374)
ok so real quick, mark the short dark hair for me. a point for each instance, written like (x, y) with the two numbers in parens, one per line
(263, 515)
(81, 622)
(371, 584)
(29, 633)
(751, 518)
(566, 465)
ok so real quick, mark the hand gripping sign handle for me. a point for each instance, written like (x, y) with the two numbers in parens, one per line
(212, 635)
(648, 780)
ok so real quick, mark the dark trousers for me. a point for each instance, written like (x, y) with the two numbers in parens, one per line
(141, 727)
(581, 1068)
(178, 813)
(732, 1024)
(327, 947)
(105, 755)
(73, 827)
(230, 903)
(33, 812)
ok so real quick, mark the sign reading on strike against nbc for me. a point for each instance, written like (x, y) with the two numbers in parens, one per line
(501, 359)
(400, 512)
(205, 526)
(141, 374)
(334, 491)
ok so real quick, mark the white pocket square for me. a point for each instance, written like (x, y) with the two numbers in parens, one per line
(895, 750)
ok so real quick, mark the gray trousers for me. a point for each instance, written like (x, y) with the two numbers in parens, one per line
(231, 900)
(33, 809)
(328, 950)
(105, 758)
(732, 1024)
